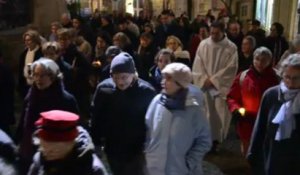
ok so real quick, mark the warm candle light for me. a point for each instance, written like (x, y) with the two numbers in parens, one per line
(242, 111)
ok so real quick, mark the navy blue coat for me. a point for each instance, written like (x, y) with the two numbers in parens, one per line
(119, 117)
(266, 155)
(7, 89)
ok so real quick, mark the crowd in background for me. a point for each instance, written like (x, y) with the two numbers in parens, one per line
(152, 95)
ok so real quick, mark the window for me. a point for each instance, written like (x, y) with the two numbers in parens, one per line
(264, 12)
(244, 10)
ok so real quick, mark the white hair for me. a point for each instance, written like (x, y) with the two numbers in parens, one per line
(292, 60)
(50, 66)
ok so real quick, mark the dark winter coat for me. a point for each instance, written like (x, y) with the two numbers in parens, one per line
(66, 69)
(119, 117)
(267, 156)
(236, 40)
(155, 78)
(37, 101)
(162, 32)
(81, 70)
(259, 35)
(22, 84)
(145, 60)
(81, 161)
(244, 62)
(277, 45)
(7, 89)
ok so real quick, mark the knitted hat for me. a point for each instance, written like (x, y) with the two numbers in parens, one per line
(112, 51)
(180, 73)
(122, 63)
(57, 125)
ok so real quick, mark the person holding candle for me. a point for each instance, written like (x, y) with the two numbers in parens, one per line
(246, 93)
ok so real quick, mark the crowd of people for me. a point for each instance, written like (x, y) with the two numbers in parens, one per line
(151, 97)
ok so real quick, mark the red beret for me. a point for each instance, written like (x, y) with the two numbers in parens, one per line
(57, 125)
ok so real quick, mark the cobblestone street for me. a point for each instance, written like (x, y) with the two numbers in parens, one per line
(228, 161)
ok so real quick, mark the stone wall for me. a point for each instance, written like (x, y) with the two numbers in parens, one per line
(47, 11)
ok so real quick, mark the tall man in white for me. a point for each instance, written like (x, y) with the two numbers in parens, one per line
(214, 69)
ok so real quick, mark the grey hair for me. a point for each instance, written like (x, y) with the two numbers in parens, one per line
(167, 52)
(50, 66)
(292, 60)
(262, 51)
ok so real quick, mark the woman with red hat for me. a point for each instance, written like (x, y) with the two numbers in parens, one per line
(64, 147)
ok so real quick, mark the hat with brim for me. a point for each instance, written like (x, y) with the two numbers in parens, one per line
(57, 126)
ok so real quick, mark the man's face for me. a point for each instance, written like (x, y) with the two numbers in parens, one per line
(164, 19)
(234, 29)
(29, 42)
(64, 42)
(216, 34)
(65, 19)
(123, 80)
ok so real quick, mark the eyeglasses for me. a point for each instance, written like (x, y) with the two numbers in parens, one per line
(39, 76)
(291, 78)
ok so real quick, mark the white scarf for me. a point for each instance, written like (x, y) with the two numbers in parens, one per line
(285, 116)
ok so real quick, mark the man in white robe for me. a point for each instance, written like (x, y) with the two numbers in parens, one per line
(214, 69)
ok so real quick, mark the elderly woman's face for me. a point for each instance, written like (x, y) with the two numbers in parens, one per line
(291, 77)
(246, 46)
(41, 77)
(169, 85)
(162, 61)
(261, 62)
(55, 150)
(117, 42)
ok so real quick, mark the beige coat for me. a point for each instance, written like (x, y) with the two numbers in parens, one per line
(219, 63)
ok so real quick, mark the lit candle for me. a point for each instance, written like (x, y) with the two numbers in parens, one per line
(242, 111)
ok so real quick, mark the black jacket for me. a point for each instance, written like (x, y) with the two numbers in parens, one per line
(52, 98)
(145, 60)
(119, 117)
(7, 89)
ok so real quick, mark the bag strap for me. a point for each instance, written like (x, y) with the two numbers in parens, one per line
(243, 75)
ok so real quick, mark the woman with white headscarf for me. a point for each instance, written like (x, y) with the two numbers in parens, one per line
(275, 142)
